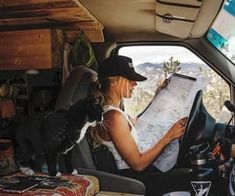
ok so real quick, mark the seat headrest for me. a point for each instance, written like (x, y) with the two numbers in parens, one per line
(76, 87)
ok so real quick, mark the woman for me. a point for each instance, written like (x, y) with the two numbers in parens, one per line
(117, 80)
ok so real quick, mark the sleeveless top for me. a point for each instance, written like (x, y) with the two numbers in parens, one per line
(121, 164)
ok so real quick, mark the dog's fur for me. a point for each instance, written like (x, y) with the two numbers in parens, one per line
(54, 134)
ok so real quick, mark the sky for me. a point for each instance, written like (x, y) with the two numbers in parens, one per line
(158, 54)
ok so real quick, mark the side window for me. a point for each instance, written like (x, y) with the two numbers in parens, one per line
(155, 62)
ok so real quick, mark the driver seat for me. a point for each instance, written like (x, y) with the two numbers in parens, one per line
(75, 88)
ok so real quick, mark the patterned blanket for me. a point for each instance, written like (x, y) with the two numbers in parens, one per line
(41, 184)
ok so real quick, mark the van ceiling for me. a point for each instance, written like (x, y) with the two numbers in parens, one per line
(135, 20)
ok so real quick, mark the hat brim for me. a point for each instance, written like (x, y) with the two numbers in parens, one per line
(135, 76)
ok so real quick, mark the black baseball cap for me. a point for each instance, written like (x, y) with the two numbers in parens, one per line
(119, 66)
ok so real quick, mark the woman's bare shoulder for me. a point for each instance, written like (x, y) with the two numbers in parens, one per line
(116, 120)
(113, 115)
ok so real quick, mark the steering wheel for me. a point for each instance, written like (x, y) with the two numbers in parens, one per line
(190, 128)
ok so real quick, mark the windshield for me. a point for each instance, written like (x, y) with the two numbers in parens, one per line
(222, 32)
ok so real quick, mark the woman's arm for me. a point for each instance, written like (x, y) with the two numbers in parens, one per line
(120, 134)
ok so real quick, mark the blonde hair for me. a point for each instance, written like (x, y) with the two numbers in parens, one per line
(99, 90)
(102, 86)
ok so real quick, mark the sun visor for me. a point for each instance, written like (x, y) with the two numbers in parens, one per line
(176, 17)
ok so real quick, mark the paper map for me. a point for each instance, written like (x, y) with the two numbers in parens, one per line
(171, 103)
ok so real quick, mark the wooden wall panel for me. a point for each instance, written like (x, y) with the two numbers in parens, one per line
(31, 49)
(28, 34)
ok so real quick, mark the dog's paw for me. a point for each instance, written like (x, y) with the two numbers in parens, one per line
(58, 174)
(27, 171)
(75, 172)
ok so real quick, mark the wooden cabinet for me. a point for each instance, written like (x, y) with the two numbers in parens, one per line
(31, 49)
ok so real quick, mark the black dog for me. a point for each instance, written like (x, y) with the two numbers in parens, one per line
(54, 134)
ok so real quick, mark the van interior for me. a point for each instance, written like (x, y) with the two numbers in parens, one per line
(51, 50)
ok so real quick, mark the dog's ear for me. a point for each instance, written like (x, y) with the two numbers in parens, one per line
(94, 109)
(76, 112)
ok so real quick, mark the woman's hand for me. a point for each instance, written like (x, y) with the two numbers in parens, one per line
(177, 130)
(162, 85)
(165, 82)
